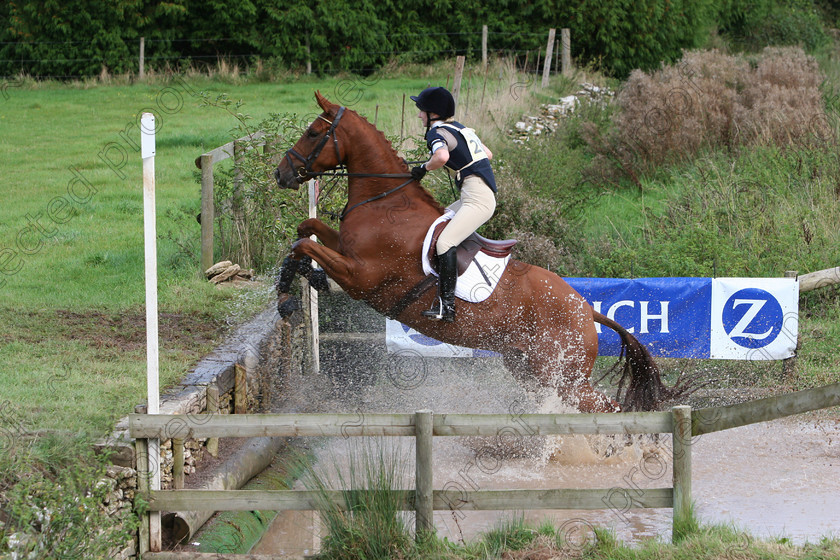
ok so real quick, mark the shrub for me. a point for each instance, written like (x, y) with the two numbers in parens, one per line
(52, 503)
(754, 24)
(711, 100)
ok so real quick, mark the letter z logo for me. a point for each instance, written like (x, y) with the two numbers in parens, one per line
(752, 318)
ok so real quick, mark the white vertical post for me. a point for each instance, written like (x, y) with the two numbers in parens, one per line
(147, 145)
(313, 293)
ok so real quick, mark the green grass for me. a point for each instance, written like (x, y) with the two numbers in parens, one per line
(71, 234)
(71, 226)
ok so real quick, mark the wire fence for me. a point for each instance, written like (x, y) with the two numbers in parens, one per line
(208, 51)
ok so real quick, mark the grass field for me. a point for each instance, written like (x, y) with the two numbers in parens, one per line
(72, 342)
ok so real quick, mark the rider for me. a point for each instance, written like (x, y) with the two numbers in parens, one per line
(467, 159)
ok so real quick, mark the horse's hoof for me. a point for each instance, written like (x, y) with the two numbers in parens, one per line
(287, 306)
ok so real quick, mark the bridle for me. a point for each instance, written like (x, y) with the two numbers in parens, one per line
(302, 172)
(306, 170)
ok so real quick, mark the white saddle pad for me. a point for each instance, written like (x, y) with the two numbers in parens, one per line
(472, 285)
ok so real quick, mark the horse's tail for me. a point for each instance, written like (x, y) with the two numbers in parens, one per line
(645, 390)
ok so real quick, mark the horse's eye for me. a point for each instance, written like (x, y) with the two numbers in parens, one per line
(312, 133)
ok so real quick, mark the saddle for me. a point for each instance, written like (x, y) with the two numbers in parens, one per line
(470, 246)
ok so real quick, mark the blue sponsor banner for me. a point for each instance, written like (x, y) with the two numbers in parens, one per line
(701, 318)
(670, 316)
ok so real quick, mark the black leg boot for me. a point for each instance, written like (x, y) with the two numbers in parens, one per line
(444, 308)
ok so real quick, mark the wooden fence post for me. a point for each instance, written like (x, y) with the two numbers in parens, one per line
(424, 521)
(141, 72)
(240, 390)
(682, 467)
(212, 409)
(547, 63)
(141, 457)
(178, 463)
(566, 45)
(484, 46)
(789, 364)
(456, 82)
(207, 211)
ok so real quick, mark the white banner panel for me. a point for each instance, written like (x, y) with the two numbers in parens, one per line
(754, 318)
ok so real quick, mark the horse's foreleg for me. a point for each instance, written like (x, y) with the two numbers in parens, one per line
(337, 266)
(286, 304)
(326, 235)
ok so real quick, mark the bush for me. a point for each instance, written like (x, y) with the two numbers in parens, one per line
(753, 24)
(52, 503)
(710, 100)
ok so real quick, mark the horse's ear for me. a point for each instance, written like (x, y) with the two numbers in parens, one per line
(322, 102)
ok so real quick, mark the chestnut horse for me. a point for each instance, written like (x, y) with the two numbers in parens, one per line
(544, 329)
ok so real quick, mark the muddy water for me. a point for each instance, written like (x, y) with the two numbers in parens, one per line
(775, 479)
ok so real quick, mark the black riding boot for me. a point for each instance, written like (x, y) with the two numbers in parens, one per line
(444, 307)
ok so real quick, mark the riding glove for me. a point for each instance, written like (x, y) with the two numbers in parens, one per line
(418, 172)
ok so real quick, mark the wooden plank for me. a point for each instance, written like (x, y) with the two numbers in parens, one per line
(287, 425)
(226, 151)
(215, 155)
(254, 500)
(443, 500)
(552, 424)
(564, 498)
(819, 279)
(682, 467)
(256, 425)
(708, 420)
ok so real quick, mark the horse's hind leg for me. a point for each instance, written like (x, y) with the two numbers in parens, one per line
(565, 363)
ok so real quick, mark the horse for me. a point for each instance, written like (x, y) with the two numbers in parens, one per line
(544, 330)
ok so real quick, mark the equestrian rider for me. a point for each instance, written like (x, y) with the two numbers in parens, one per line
(467, 159)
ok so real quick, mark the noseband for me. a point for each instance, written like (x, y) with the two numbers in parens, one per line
(302, 172)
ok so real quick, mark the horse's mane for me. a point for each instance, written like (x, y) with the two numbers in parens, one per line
(404, 166)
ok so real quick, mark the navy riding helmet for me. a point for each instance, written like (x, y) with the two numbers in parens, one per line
(436, 100)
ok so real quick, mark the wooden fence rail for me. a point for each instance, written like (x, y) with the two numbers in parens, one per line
(423, 425)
